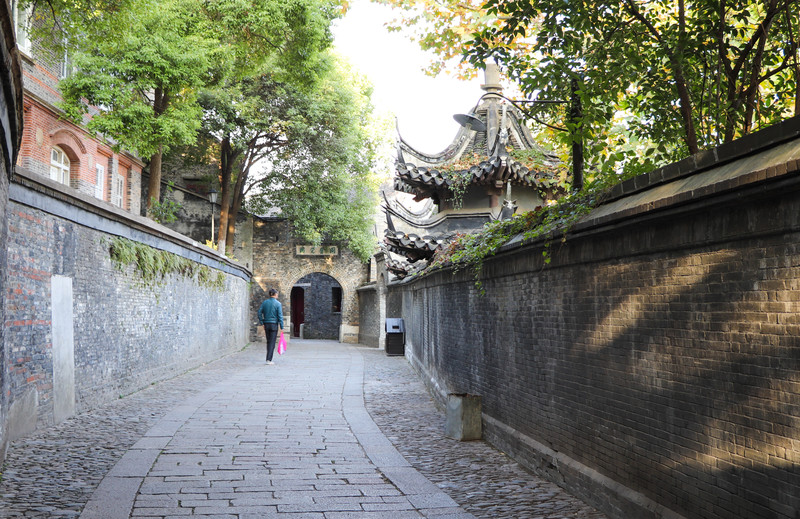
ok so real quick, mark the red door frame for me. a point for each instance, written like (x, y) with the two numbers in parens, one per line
(298, 304)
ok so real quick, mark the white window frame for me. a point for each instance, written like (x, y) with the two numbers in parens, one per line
(59, 165)
(100, 182)
(22, 25)
(117, 189)
(65, 67)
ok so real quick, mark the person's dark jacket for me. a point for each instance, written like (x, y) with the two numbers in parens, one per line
(271, 312)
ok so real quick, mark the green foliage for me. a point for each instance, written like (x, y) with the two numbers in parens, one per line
(166, 211)
(657, 80)
(460, 180)
(542, 224)
(153, 265)
(144, 78)
(323, 178)
(145, 64)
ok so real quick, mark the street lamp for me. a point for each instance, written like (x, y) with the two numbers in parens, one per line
(212, 197)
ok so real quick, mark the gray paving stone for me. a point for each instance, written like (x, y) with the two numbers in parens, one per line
(334, 432)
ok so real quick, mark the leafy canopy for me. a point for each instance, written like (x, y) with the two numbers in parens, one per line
(324, 178)
(144, 80)
(658, 79)
(674, 76)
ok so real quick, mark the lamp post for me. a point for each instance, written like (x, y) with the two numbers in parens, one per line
(212, 197)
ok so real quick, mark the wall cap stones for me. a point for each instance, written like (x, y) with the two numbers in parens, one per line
(44, 194)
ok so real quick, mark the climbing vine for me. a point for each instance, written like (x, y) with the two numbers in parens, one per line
(153, 265)
(545, 222)
(459, 176)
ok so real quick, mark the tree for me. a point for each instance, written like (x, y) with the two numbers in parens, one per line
(657, 79)
(143, 80)
(323, 178)
(245, 109)
(693, 75)
(247, 124)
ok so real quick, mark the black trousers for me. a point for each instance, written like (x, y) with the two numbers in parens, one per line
(271, 331)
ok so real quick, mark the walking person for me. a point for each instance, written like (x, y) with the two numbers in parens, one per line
(271, 316)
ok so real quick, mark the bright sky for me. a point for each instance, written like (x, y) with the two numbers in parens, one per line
(424, 106)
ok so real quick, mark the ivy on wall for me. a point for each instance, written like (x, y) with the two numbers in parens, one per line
(543, 223)
(154, 265)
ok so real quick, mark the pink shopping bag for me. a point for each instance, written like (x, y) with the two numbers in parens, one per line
(281, 344)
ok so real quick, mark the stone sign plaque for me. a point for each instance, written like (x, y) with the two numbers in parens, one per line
(316, 250)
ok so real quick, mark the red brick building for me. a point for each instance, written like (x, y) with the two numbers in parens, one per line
(56, 148)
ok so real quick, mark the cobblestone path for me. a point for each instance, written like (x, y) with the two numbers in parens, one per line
(55, 471)
(484, 481)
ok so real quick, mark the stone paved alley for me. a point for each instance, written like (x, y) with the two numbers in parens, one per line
(331, 431)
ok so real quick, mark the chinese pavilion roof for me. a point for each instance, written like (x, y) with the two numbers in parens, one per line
(412, 246)
(430, 182)
(492, 151)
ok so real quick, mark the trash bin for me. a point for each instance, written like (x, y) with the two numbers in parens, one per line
(395, 337)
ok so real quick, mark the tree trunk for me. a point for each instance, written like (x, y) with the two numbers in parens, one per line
(160, 101)
(686, 109)
(238, 195)
(576, 116)
(797, 91)
(227, 158)
(154, 185)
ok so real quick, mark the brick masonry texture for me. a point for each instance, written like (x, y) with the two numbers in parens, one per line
(275, 265)
(10, 137)
(127, 334)
(369, 316)
(662, 351)
(46, 127)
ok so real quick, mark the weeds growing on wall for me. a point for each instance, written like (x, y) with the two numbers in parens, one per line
(167, 211)
(154, 265)
(545, 222)
(460, 177)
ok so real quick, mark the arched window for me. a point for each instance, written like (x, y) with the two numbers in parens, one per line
(59, 165)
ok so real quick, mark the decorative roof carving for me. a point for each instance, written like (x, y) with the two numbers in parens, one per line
(492, 151)
(413, 246)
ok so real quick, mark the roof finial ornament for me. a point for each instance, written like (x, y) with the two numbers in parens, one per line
(491, 75)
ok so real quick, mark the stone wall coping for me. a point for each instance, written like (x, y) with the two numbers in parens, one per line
(738, 149)
(47, 195)
(780, 161)
(752, 162)
(371, 287)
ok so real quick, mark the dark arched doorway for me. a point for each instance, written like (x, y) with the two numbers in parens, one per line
(316, 302)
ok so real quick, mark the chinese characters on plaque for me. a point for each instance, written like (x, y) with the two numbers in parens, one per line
(316, 250)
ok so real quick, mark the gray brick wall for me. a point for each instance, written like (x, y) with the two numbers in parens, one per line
(368, 332)
(11, 121)
(127, 334)
(660, 352)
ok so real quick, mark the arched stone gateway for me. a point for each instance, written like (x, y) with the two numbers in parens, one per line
(316, 307)
(282, 262)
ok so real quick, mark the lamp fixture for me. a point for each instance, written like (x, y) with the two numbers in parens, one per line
(470, 121)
